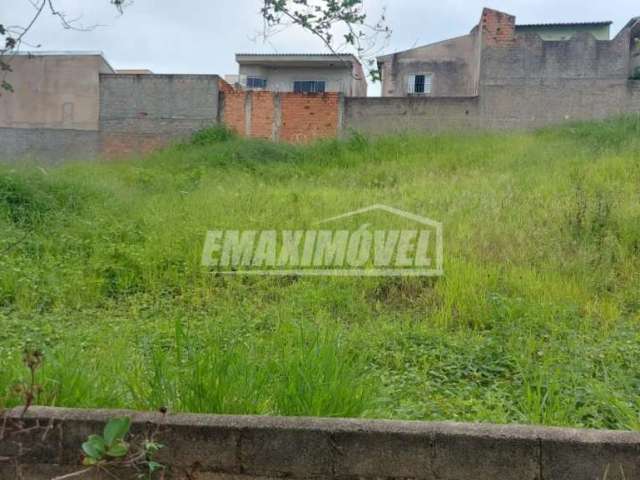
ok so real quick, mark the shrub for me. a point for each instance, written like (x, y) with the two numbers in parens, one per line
(212, 135)
(29, 197)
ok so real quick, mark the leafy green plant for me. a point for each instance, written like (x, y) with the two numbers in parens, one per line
(636, 73)
(112, 449)
(110, 445)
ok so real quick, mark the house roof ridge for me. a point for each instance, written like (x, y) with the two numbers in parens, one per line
(343, 54)
(563, 24)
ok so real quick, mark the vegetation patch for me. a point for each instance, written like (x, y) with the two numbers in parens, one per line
(535, 321)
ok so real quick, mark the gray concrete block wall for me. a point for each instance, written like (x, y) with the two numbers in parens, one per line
(529, 106)
(501, 105)
(137, 113)
(389, 115)
(171, 105)
(51, 145)
(232, 447)
(530, 58)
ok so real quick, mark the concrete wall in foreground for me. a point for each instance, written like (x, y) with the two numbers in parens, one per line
(142, 112)
(206, 447)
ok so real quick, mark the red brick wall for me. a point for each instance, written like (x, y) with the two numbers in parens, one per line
(225, 86)
(289, 117)
(308, 117)
(498, 28)
(262, 115)
(233, 113)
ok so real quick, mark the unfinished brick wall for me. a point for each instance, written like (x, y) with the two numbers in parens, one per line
(234, 110)
(225, 87)
(308, 117)
(263, 112)
(498, 28)
(289, 117)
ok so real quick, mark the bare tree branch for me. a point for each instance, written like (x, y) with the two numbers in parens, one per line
(325, 19)
(14, 35)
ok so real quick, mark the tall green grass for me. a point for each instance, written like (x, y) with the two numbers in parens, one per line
(535, 321)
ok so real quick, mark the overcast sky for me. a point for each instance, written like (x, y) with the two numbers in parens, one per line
(201, 36)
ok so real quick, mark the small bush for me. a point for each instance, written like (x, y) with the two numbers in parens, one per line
(212, 135)
(636, 74)
(28, 198)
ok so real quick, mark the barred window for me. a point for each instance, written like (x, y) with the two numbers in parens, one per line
(256, 82)
(420, 84)
(313, 86)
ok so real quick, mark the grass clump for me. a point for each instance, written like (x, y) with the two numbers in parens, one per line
(212, 135)
(535, 321)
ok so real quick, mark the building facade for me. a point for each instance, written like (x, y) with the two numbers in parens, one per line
(455, 67)
(58, 90)
(69, 105)
(302, 73)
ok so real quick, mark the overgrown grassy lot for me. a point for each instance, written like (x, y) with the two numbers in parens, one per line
(537, 319)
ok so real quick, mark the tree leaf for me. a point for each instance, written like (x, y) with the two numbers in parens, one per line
(116, 429)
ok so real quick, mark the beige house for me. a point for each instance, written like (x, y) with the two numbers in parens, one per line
(310, 73)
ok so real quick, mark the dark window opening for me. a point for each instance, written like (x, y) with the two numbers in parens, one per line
(420, 84)
(312, 86)
(255, 82)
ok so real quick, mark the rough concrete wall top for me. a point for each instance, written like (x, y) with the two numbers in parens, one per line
(208, 446)
(53, 91)
(157, 103)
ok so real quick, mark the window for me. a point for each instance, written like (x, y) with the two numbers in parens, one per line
(420, 84)
(256, 82)
(313, 86)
